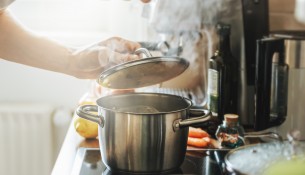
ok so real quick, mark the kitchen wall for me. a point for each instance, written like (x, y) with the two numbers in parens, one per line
(282, 17)
(72, 22)
(21, 83)
(78, 22)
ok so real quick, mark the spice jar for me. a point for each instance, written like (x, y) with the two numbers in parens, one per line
(230, 133)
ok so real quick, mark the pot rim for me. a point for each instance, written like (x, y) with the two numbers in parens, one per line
(190, 104)
(251, 147)
(229, 165)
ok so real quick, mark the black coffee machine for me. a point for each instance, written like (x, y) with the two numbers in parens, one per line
(255, 25)
(279, 82)
(271, 83)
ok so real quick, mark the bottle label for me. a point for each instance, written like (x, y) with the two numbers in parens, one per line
(213, 76)
(213, 82)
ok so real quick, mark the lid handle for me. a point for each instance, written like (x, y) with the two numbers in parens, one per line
(143, 51)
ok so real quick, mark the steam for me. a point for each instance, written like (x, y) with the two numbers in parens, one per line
(172, 15)
(191, 23)
(175, 16)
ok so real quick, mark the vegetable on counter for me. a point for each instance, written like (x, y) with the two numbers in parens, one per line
(85, 128)
(198, 138)
(197, 132)
(199, 142)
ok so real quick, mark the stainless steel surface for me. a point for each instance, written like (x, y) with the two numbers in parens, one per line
(145, 139)
(86, 112)
(143, 51)
(207, 116)
(295, 53)
(294, 47)
(143, 72)
(263, 135)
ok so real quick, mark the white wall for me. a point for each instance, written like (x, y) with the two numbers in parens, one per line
(73, 22)
(21, 83)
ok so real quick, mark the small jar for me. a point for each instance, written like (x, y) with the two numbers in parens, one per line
(230, 134)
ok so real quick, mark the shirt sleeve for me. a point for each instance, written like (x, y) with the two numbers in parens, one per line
(5, 3)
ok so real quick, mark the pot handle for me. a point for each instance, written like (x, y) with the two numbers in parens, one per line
(262, 134)
(207, 116)
(86, 112)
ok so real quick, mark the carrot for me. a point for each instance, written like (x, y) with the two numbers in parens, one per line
(197, 132)
(199, 142)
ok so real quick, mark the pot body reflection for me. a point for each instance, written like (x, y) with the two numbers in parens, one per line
(143, 132)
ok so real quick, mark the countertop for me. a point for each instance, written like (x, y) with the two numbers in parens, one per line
(66, 156)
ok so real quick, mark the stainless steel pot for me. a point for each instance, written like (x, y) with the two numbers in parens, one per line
(142, 132)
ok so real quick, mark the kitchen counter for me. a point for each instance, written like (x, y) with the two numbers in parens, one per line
(66, 156)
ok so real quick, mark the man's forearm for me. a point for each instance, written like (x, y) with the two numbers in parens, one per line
(20, 45)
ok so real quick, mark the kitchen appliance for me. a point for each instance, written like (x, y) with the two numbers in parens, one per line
(280, 82)
(193, 36)
(204, 162)
(151, 130)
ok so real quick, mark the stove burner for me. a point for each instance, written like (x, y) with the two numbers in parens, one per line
(88, 162)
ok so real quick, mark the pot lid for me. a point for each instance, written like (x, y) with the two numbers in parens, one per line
(143, 72)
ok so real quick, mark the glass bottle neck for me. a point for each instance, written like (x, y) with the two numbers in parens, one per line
(224, 43)
(230, 124)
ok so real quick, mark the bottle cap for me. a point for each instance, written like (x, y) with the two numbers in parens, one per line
(231, 117)
(223, 29)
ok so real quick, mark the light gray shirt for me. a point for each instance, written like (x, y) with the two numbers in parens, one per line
(5, 3)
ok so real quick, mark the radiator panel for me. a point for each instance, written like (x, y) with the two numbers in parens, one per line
(26, 145)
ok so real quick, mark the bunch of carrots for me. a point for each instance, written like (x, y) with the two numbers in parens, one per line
(198, 138)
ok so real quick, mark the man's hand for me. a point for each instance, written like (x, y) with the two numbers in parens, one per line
(91, 61)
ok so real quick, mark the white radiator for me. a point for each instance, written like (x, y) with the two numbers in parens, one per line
(26, 146)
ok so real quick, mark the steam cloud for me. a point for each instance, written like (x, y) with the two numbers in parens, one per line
(193, 22)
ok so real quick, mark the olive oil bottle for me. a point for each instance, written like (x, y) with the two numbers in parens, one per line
(223, 76)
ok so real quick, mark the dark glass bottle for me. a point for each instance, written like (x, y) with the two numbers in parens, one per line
(223, 76)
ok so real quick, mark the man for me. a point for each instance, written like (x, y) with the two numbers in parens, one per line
(20, 45)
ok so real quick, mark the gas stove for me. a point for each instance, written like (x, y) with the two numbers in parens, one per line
(204, 162)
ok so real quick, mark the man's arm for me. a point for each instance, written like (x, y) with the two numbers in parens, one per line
(20, 45)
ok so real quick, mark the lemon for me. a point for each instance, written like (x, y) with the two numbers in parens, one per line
(86, 128)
